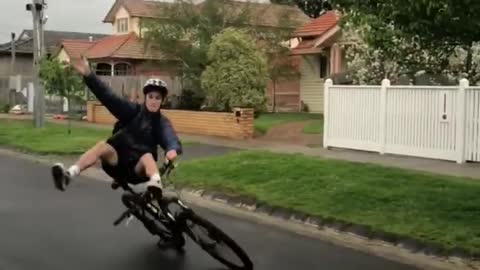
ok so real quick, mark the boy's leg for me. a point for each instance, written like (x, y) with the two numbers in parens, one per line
(101, 150)
(147, 166)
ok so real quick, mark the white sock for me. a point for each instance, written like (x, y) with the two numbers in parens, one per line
(74, 171)
(155, 179)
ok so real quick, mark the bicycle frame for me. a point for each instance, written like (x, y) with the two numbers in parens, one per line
(139, 203)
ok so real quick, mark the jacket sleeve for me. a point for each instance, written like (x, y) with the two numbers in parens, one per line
(121, 108)
(168, 138)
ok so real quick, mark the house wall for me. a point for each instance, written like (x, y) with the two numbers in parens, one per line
(311, 85)
(133, 23)
(63, 56)
(23, 64)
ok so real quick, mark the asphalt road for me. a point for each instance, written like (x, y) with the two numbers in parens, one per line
(41, 228)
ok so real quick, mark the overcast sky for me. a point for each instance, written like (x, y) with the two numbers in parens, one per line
(64, 15)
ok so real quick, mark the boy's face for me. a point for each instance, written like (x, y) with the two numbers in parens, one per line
(153, 100)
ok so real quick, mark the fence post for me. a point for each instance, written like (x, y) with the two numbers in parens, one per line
(461, 118)
(326, 122)
(383, 115)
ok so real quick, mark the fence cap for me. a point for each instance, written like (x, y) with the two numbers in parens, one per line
(464, 82)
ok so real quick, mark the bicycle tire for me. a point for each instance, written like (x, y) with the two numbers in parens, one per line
(150, 224)
(220, 235)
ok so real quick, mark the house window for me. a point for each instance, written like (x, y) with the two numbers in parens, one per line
(103, 69)
(122, 25)
(323, 66)
(122, 69)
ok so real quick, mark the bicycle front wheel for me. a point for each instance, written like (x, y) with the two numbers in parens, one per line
(216, 243)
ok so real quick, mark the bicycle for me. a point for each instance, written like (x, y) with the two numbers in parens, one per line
(162, 222)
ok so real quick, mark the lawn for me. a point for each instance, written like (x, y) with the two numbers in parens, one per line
(314, 127)
(52, 139)
(268, 120)
(439, 209)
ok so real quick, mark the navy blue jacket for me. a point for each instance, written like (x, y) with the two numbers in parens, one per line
(146, 128)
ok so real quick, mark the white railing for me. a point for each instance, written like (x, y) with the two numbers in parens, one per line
(440, 122)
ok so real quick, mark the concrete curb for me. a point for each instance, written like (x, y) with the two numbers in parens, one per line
(362, 238)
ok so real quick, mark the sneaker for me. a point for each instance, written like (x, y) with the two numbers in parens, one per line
(60, 177)
(155, 187)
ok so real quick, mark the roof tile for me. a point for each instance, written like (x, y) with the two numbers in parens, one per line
(75, 48)
(318, 26)
(122, 46)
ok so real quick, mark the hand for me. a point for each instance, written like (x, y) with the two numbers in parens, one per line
(171, 155)
(81, 66)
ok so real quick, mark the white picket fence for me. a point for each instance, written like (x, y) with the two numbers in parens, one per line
(426, 121)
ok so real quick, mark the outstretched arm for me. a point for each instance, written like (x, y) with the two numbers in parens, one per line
(121, 108)
(168, 138)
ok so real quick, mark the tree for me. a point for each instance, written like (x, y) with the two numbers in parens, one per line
(61, 80)
(237, 74)
(184, 32)
(274, 44)
(440, 27)
(313, 8)
(387, 55)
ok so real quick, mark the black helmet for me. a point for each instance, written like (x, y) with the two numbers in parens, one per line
(156, 85)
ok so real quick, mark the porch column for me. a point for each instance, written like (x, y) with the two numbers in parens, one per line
(112, 64)
(334, 59)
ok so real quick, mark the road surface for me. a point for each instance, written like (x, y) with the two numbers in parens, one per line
(44, 229)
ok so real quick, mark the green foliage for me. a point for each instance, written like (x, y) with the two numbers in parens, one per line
(432, 21)
(441, 29)
(61, 80)
(184, 32)
(313, 8)
(430, 208)
(4, 108)
(237, 75)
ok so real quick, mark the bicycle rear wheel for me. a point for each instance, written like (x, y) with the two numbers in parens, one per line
(216, 243)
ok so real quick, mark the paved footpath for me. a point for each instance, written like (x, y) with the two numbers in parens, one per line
(471, 170)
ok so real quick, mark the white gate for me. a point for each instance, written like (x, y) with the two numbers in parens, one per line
(472, 132)
(421, 121)
(440, 122)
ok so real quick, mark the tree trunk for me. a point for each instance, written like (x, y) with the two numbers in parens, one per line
(69, 116)
(469, 63)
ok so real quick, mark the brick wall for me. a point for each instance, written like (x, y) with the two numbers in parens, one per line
(192, 122)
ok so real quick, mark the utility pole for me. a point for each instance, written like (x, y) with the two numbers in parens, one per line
(37, 8)
(13, 55)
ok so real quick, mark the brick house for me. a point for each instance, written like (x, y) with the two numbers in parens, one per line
(124, 54)
(320, 55)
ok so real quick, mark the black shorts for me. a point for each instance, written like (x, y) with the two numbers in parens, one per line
(125, 168)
